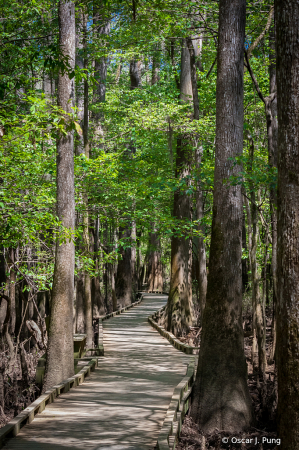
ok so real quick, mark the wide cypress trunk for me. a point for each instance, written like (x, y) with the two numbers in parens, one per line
(60, 356)
(287, 50)
(221, 399)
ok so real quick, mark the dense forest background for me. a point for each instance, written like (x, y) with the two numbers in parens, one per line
(142, 113)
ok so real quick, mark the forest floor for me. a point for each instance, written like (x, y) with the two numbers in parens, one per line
(264, 399)
(19, 386)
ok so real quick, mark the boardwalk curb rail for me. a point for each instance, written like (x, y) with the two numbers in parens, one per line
(180, 402)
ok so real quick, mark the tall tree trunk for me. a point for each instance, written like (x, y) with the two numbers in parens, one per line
(113, 269)
(102, 27)
(258, 320)
(221, 397)
(87, 279)
(135, 73)
(201, 251)
(133, 257)
(179, 311)
(138, 260)
(12, 290)
(287, 51)
(244, 261)
(60, 356)
(125, 277)
(156, 65)
(272, 129)
(79, 140)
(123, 288)
(155, 271)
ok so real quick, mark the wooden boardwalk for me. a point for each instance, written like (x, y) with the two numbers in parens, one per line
(122, 405)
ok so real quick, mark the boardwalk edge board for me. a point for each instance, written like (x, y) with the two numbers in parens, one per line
(180, 401)
(13, 427)
(171, 337)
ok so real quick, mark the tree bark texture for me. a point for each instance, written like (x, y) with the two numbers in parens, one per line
(272, 152)
(258, 320)
(100, 72)
(287, 51)
(79, 142)
(221, 397)
(155, 270)
(60, 357)
(201, 251)
(179, 312)
(12, 290)
(123, 288)
(201, 268)
(135, 73)
(87, 279)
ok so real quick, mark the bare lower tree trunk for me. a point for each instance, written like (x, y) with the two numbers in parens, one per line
(221, 397)
(179, 312)
(12, 290)
(123, 288)
(60, 355)
(258, 320)
(133, 258)
(287, 50)
(244, 261)
(201, 251)
(155, 277)
(156, 65)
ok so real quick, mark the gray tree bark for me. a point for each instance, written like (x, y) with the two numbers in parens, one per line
(60, 356)
(221, 397)
(287, 51)
(123, 287)
(155, 269)
(79, 142)
(102, 29)
(87, 279)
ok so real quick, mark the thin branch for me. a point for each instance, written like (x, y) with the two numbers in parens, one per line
(248, 66)
(263, 220)
(263, 33)
(211, 68)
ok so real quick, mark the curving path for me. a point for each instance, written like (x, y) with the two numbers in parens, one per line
(122, 405)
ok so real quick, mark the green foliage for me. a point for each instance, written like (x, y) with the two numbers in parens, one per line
(130, 175)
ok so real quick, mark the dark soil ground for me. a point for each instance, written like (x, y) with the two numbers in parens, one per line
(19, 386)
(264, 399)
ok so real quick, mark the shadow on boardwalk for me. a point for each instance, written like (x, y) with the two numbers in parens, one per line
(123, 404)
